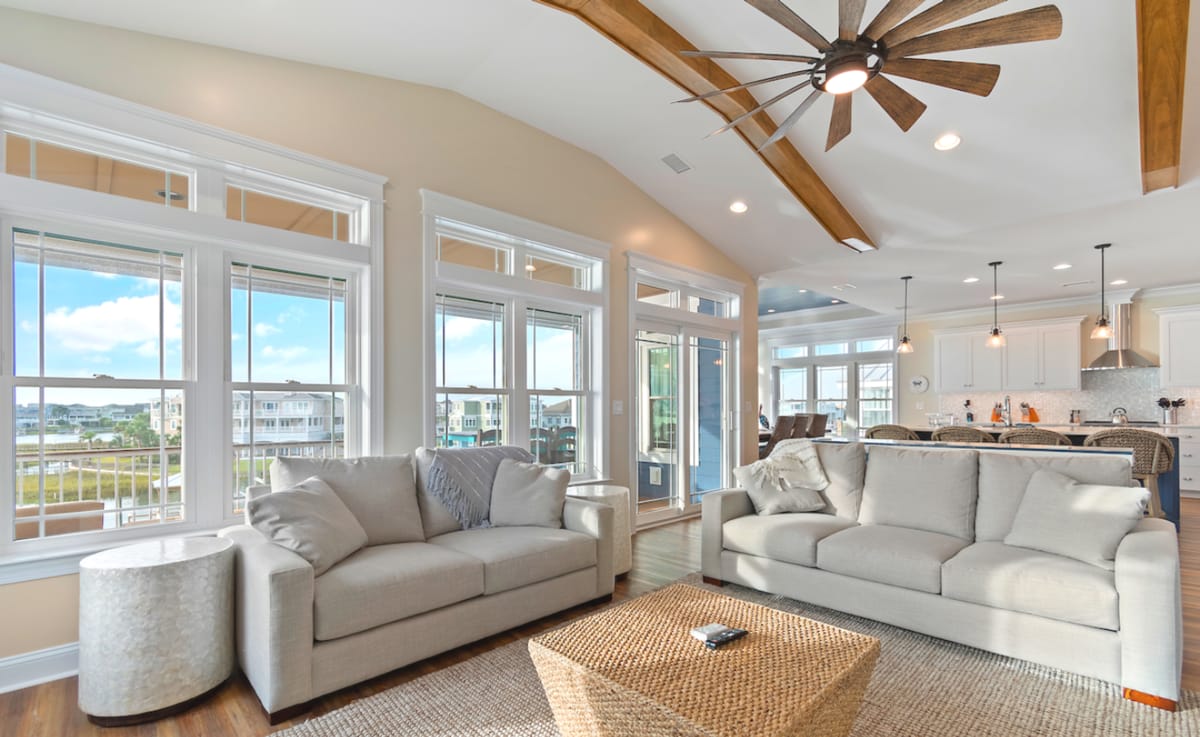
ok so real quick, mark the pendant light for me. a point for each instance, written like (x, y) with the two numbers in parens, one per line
(1102, 331)
(906, 345)
(996, 337)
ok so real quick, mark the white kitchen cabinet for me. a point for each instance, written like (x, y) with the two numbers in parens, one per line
(1179, 346)
(1189, 460)
(1042, 357)
(1038, 356)
(963, 362)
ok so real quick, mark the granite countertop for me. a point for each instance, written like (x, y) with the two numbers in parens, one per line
(1168, 430)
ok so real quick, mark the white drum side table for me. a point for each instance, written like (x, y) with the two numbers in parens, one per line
(155, 627)
(616, 497)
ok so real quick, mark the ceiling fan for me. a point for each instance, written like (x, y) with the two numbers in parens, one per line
(887, 46)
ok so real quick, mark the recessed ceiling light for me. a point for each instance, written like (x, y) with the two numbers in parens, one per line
(1118, 282)
(770, 309)
(530, 267)
(835, 301)
(997, 296)
(738, 206)
(970, 280)
(1060, 267)
(947, 141)
(802, 291)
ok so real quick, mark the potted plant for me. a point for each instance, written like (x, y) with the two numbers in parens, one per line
(1170, 409)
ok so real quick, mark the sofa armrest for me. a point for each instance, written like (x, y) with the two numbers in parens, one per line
(274, 619)
(1148, 595)
(717, 508)
(595, 519)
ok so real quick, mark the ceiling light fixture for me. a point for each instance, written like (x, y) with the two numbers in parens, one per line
(1061, 267)
(172, 196)
(906, 345)
(737, 206)
(995, 338)
(1118, 282)
(835, 301)
(770, 310)
(530, 267)
(970, 280)
(801, 291)
(1102, 331)
(947, 142)
(997, 296)
(846, 74)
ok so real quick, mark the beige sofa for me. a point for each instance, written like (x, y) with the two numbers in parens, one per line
(300, 636)
(914, 538)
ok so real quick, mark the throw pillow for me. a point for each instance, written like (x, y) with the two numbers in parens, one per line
(461, 479)
(1082, 521)
(380, 492)
(770, 492)
(800, 465)
(528, 494)
(310, 520)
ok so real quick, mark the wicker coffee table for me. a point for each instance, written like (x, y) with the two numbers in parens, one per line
(634, 669)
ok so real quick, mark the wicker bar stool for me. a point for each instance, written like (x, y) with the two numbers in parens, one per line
(1033, 436)
(1152, 454)
(962, 434)
(891, 432)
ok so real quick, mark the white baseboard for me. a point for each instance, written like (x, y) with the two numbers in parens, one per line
(39, 666)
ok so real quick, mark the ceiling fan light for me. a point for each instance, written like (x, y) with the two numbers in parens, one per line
(1102, 331)
(845, 75)
(905, 346)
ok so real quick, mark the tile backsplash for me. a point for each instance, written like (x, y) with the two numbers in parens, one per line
(1136, 390)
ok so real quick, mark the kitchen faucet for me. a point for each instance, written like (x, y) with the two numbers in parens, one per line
(1006, 413)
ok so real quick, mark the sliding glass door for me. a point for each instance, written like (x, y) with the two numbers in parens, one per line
(683, 437)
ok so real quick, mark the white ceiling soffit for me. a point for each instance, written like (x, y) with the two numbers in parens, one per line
(1048, 167)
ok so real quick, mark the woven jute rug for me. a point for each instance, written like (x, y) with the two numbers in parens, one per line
(922, 687)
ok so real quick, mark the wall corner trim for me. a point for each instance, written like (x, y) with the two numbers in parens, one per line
(39, 666)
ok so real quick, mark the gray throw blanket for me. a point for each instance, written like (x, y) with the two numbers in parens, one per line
(461, 479)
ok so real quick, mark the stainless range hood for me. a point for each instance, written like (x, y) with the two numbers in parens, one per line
(1119, 355)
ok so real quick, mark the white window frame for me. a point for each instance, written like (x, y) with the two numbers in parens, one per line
(47, 109)
(645, 269)
(443, 214)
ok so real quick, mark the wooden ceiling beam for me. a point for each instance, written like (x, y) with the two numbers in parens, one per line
(633, 27)
(1162, 27)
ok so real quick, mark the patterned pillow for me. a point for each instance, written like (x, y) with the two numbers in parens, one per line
(461, 479)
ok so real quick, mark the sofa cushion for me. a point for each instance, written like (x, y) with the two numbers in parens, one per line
(386, 583)
(310, 520)
(899, 556)
(791, 538)
(923, 489)
(1030, 581)
(380, 492)
(1004, 476)
(528, 494)
(1086, 522)
(517, 556)
(845, 466)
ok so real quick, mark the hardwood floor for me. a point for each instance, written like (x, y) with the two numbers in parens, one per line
(660, 555)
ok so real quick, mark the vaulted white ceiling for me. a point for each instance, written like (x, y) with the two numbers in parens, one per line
(1048, 166)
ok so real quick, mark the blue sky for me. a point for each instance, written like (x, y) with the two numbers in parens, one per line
(108, 323)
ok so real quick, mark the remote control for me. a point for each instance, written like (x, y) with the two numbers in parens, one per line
(729, 635)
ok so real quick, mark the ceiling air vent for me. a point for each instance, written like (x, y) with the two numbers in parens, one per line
(677, 164)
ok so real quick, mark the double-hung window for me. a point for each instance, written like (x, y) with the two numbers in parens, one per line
(849, 380)
(182, 306)
(515, 336)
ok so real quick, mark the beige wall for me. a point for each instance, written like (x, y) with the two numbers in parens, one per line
(920, 362)
(419, 137)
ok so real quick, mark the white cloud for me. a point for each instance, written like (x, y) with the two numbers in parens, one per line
(285, 354)
(112, 325)
(461, 328)
(263, 329)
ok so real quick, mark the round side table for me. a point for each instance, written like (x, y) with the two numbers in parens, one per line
(155, 628)
(616, 497)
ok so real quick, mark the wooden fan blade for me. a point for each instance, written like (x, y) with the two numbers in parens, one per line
(964, 76)
(839, 122)
(788, 122)
(760, 108)
(744, 85)
(939, 15)
(898, 104)
(850, 13)
(748, 55)
(1036, 24)
(892, 13)
(784, 16)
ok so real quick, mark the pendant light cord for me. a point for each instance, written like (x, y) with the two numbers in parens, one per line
(1103, 281)
(995, 292)
(906, 305)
